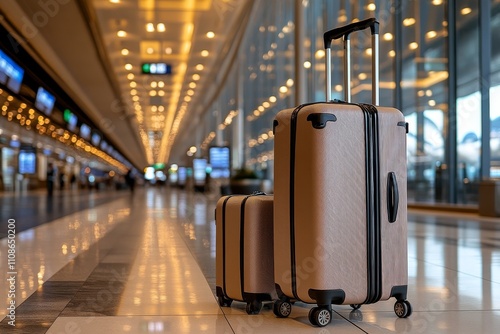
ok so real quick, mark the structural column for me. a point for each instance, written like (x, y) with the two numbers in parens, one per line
(300, 91)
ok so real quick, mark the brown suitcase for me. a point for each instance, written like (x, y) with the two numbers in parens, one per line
(244, 250)
(340, 230)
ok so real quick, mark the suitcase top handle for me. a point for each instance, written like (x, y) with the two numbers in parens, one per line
(345, 31)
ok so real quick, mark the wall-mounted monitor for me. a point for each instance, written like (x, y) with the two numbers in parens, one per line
(85, 131)
(44, 101)
(104, 145)
(181, 176)
(27, 162)
(199, 171)
(11, 74)
(219, 158)
(71, 119)
(96, 139)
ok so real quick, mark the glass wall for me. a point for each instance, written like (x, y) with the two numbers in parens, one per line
(495, 89)
(430, 70)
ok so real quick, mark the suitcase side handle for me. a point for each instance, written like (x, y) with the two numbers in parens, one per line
(344, 32)
(392, 197)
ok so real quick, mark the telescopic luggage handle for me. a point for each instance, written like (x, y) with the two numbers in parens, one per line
(344, 32)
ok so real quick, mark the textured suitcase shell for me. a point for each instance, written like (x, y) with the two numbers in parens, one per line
(327, 250)
(244, 258)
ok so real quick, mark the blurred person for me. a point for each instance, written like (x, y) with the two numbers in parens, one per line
(130, 180)
(50, 179)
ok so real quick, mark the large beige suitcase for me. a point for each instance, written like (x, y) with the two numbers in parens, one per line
(340, 230)
(244, 250)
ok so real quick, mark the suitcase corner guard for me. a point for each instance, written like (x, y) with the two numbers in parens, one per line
(327, 297)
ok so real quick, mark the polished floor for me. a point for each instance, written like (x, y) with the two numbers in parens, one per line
(145, 263)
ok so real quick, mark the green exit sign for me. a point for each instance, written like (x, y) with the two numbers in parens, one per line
(156, 68)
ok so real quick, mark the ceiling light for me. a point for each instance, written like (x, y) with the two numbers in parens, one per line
(150, 51)
(190, 92)
(283, 89)
(150, 27)
(152, 93)
(392, 53)
(465, 11)
(431, 34)
(130, 76)
(121, 33)
(133, 92)
(307, 64)
(196, 77)
(413, 45)
(161, 108)
(114, 1)
(128, 67)
(192, 85)
(272, 99)
(187, 98)
(388, 36)
(432, 103)
(369, 51)
(289, 82)
(168, 51)
(319, 54)
(133, 84)
(125, 52)
(408, 21)
(135, 98)
(199, 67)
(204, 53)
(371, 7)
(362, 76)
(161, 84)
(437, 2)
(154, 84)
(160, 27)
(210, 34)
(161, 93)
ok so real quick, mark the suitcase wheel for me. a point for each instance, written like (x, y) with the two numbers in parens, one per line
(223, 301)
(320, 316)
(254, 307)
(402, 308)
(282, 308)
(355, 306)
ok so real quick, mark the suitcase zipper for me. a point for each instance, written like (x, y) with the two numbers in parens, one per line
(373, 204)
(224, 245)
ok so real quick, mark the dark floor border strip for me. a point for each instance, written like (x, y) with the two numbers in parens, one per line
(461, 208)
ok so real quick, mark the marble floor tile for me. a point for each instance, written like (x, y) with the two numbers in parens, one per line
(210, 324)
(146, 264)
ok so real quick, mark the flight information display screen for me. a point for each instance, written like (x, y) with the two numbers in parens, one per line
(11, 74)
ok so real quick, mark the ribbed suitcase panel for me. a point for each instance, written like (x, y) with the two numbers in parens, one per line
(233, 264)
(282, 255)
(392, 150)
(330, 203)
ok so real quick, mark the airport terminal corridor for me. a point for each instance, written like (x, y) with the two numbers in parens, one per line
(144, 262)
